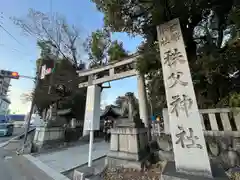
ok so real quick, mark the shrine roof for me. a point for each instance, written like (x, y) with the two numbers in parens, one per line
(115, 110)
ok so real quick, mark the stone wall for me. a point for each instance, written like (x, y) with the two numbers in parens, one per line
(50, 137)
(47, 135)
(18, 124)
(73, 134)
(224, 149)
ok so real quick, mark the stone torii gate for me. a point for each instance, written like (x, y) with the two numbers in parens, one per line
(119, 70)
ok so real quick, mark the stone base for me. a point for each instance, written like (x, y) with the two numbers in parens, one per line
(85, 173)
(128, 147)
(170, 173)
(126, 123)
(45, 136)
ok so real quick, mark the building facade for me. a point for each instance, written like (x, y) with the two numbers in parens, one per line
(4, 101)
(4, 85)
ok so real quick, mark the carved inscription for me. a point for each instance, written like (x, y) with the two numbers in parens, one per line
(187, 141)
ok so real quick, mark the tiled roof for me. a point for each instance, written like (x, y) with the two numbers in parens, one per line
(115, 109)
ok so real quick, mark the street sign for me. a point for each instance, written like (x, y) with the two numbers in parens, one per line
(153, 118)
(92, 112)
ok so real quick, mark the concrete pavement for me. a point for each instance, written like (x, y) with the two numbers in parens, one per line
(16, 132)
(27, 164)
(18, 135)
(73, 157)
(5, 140)
(50, 164)
(52, 173)
(13, 167)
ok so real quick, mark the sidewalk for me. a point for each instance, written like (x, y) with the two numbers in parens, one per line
(26, 170)
(65, 160)
(14, 167)
(51, 173)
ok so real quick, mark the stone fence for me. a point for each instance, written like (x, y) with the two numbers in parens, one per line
(220, 121)
(222, 134)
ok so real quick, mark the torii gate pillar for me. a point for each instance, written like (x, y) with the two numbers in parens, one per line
(142, 96)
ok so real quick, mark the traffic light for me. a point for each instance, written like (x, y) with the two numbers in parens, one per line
(9, 74)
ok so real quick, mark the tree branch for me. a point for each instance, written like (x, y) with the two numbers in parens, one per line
(55, 43)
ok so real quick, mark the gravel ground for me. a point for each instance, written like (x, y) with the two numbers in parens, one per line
(234, 174)
(153, 173)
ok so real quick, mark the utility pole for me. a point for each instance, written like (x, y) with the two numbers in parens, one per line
(15, 75)
(38, 77)
(30, 114)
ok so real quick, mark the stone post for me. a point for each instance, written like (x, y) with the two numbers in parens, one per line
(130, 107)
(166, 121)
(143, 110)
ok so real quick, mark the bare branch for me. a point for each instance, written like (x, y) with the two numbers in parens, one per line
(46, 27)
(26, 97)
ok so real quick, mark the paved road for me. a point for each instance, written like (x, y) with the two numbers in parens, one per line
(13, 167)
(16, 132)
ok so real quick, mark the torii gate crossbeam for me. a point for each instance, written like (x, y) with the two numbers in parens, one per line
(110, 71)
(119, 70)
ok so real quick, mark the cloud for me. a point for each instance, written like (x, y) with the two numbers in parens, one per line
(16, 103)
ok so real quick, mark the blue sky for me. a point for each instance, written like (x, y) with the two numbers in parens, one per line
(20, 54)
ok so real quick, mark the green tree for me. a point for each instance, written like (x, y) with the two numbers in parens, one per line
(45, 52)
(96, 45)
(116, 52)
(235, 100)
(210, 31)
(101, 50)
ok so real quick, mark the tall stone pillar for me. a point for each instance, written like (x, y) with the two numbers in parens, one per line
(85, 132)
(142, 96)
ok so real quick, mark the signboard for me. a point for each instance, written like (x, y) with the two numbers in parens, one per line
(92, 112)
(184, 118)
(153, 118)
(45, 71)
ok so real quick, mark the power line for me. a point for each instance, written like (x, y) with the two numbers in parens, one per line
(10, 34)
(15, 50)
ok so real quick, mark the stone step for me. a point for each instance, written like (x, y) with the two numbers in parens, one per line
(87, 175)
